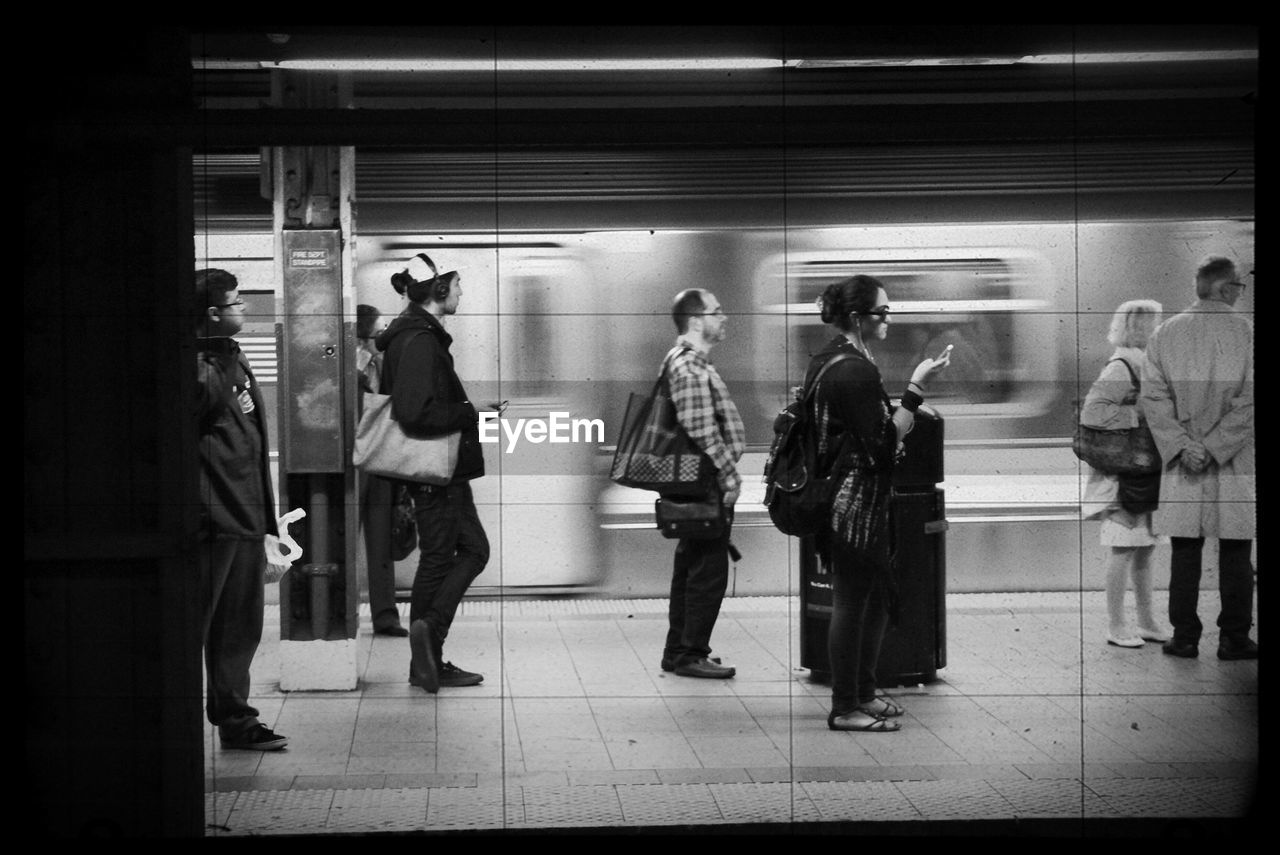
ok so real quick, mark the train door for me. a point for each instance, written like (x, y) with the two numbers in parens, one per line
(993, 304)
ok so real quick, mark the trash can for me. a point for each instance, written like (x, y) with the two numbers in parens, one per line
(916, 647)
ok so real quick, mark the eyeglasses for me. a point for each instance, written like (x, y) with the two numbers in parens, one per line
(879, 313)
(237, 302)
(718, 313)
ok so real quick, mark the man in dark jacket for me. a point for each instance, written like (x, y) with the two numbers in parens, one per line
(428, 400)
(237, 512)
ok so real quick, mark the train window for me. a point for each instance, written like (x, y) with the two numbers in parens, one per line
(988, 305)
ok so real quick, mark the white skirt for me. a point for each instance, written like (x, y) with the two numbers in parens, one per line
(1113, 533)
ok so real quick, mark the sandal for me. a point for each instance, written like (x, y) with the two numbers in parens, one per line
(877, 724)
(882, 706)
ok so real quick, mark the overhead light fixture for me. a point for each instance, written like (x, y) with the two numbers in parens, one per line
(1142, 56)
(490, 65)
(1038, 59)
(694, 64)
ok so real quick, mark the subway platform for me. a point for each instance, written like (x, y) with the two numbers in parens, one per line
(1035, 726)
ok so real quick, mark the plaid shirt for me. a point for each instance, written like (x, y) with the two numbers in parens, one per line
(704, 410)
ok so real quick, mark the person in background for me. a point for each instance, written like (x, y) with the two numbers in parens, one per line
(376, 492)
(427, 397)
(700, 573)
(1112, 404)
(237, 512)
(1197, 395)
(860, 432)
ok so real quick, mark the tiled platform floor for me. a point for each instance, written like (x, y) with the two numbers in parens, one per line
(1033, 719)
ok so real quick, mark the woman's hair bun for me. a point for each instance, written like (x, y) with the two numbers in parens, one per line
(827, 303)
(401, 281)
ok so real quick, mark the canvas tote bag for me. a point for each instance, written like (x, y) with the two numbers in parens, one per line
(383, 448)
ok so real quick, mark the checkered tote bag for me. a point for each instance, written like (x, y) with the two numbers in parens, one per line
(655, 453)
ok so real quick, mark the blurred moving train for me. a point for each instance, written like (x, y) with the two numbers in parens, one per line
(569, 264)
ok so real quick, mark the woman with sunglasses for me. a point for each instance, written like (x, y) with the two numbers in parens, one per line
(860, 434)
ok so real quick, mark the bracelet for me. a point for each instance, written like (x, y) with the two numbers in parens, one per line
(919, 388)
(911, 401)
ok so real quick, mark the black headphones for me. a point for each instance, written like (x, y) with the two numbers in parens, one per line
(440, 287)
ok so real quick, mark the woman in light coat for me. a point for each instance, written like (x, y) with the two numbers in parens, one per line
(1112, 403)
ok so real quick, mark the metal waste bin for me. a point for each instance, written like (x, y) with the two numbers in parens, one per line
(916, 647)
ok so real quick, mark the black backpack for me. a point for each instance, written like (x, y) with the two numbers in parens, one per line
(797, 495)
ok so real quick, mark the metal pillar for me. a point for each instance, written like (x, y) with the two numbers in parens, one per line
(319, 596)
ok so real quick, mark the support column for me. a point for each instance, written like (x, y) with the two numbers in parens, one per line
(319, 595)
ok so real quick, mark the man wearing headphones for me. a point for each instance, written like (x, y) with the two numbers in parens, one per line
(428, 400)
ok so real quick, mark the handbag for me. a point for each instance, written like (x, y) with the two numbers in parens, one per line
(655, 452)
(700, 519)
(383, 448)
(404, 527)
(1121, 451)
(1138, 494)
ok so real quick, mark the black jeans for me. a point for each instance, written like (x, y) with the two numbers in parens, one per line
(375, 519)
(1235, 587)
(699, 578)
(859, 617)
(452, 551)
(231, 587)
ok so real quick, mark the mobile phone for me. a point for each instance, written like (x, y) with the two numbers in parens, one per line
(945, 351)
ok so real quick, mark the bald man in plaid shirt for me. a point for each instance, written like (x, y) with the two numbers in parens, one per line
(703, 408)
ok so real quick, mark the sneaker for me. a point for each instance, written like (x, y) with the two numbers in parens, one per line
(257, 738)
(452, 675)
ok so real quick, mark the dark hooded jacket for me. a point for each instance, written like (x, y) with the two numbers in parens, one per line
(235, 476)
(427, 398)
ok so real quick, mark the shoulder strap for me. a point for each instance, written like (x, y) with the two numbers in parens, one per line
(671, 357)
(846, 444)
(666, 367)
(809, 390)
(1132, 374)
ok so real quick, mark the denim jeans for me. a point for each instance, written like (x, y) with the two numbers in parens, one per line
(1235, 587)
(231, 587)
(859, 617)
(452, 551)
(699, 578)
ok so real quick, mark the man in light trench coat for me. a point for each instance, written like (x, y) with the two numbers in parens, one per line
(1197, 396)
